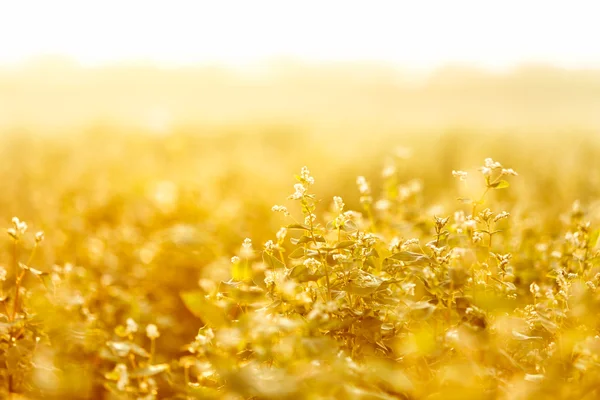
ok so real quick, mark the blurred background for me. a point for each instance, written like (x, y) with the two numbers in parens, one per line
(105, 105)
(235, 94)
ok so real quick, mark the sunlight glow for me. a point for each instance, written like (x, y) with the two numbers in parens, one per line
(413, 34)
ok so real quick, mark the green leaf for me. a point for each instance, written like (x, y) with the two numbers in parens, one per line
(407, 256)
(298, 253)
(272, 261)
(549, 325)
(349, 226)
(150, 370)
(301, 274)
(421, 310)
(122, 349)
(361, 288)
(139, 350)
(307, 239)
(242, 292)
(32, 270)
(411, 258)
(344, 244)
(240, 271)
(299, 226)
(202, 308)
(121, 331)
(500, 184)
(520, 336)
(594, 240)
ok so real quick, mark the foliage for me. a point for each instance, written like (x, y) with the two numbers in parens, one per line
(390, 298)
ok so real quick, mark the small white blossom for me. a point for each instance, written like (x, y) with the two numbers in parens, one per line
(235, 259)
(462, 175)
(281, 209)
(281, 234)
(388, 171)
(509, 171)
(152, 331)
(501, 216)
(486, 171)
(411, 242)
(300, 190)
(489, 163)
(20, 226)
(312, 264)
(132, 326)
(269, 245)
(339, 203)
(394, 243)
(363, 186)
(305, 176)
(383, 204)
(310, 219)
(470, 223)
(535, 290)
(204, 336)
(123, 376)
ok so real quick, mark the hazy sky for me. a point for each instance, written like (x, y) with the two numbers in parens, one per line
(414, 34)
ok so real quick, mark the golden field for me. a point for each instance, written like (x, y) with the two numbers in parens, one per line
(463, 264)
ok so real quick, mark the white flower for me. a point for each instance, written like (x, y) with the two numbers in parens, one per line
(501, 216)
(363, 186)
(388, 171)
(269, 245)
(246, 251)
(415, 185)
(20, 226)
(204, 336)
(383, 204)
(459, 217)
(152, 331)
(132, 326)
(340, 257)
(310, 219)
(535, 290)
(300, 190)
(462, 175)
(312, 264)
(394, 243)
(470, 223)
(486, 171)
(305, 176)
(123, 376)
(339, 203)
(281, 209)
(509, 171)
(410, 242)
(489, 163)
(281, 234)
(235, 259)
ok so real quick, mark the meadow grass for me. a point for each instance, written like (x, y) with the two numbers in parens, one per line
(440, 266)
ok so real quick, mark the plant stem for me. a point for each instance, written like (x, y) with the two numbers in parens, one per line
(15, 260)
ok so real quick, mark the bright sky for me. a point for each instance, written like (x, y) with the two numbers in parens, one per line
(412, 33)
